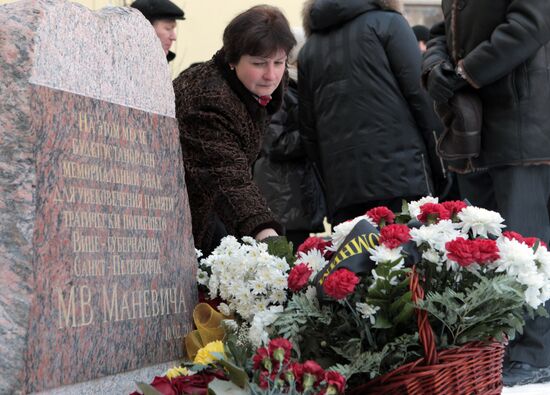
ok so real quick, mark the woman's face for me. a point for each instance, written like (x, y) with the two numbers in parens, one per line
(261, 75)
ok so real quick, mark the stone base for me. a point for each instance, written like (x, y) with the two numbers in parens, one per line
(119, 384)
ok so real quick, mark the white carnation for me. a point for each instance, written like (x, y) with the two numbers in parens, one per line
(437, 235)
(480, 221)
(342, 230)
(381, 254)
(202, 277)
(314, 259)
(367, 311)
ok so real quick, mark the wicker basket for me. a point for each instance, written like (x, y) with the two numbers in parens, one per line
(472, 369)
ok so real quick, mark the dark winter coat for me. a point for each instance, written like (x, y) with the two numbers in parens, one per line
(504, 49)
(221, 126)
(364, 115)
(286, 177)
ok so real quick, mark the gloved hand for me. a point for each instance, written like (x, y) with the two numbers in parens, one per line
(443, 82)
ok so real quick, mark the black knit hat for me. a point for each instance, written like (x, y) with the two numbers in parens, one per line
(158, 9)
(422, 33)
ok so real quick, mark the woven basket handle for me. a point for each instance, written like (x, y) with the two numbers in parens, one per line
(425, 331)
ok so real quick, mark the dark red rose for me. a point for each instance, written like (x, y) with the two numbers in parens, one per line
(454, 206)
(163, 385)
(530, 241)
(314, 243)
(340, 284)
(336, 380)
(392, 236)
(194, 384)
(314, 369)
(465, 252)
(433, 212)
(299, 277)
(258, 358)
(381, 213)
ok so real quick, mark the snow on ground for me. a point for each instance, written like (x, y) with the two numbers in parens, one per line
(531, 389)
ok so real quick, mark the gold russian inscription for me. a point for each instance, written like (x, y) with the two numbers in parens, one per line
(103, 197)
(110, 175)
(121, 305)
(67, 312)
(90, 219)
(91, 149)
(85, 243)
(143, 222)
(123, 267)
(88, 267)
(91, 125)
(163, 203)
(132, 244)
(174, 332)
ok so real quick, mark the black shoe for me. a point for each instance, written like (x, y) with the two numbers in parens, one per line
(521, 373)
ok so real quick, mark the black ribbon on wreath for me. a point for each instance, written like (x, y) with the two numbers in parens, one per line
(355, 252)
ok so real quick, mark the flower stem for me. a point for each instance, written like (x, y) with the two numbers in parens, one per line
(362, 323)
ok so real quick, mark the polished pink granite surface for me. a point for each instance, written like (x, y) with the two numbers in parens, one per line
(97, 264)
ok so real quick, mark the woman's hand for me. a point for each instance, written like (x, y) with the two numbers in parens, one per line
(264, 233)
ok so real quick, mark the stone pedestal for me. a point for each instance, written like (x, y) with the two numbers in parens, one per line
(96, 252)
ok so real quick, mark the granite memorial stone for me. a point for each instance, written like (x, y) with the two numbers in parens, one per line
(96, 252)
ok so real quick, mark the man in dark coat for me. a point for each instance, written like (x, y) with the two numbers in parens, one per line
(162, 14)
(502, 49)
(362, 110)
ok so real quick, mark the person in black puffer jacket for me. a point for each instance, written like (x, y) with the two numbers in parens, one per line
(287, 179)
(364, 116)
(501, 48)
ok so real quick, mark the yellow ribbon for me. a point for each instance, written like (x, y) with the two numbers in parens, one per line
(208, 322)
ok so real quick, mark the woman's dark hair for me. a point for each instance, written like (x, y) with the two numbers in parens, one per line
(259, 31)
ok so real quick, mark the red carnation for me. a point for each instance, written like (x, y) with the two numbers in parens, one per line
(340, 284)
(313, 243)
(297, 370)
(530, 241)
(381, 213)
(392, 236)
(454, 206)
(299, 277)
(486, 250)
(465, 252)
(277, 344)
(314, 369)
(336, 380)
(261, 355)
(433, 212)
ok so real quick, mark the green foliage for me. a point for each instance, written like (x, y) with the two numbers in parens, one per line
(488, 309)
(221, 387)
(338, 335)
(373, 363)
(301, 314)
(280, 247)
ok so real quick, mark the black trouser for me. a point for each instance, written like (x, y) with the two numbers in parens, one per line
(521, 195)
